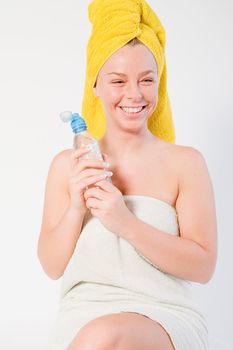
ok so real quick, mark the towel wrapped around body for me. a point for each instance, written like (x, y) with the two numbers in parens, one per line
(107, 275)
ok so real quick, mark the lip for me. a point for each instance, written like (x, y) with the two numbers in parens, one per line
(132, 106)
(133, 115)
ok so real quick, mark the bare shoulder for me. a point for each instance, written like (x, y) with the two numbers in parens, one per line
(179, 157)
(192, 171)
(61, 158)
(190, 161)
(60, 163)
(189, 153)
(183, 159)
(182, 153)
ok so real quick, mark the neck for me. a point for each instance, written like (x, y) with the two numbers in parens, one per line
(119, 145)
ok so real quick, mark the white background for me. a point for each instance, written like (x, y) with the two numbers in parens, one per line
(42, 66)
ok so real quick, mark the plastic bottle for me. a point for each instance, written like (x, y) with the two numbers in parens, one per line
(82, 137)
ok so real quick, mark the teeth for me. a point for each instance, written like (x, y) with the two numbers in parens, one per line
(132, 110)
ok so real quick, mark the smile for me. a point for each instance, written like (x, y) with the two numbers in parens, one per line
(133, 110)
(134, 113)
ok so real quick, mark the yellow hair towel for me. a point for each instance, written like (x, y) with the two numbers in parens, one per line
(115, 22)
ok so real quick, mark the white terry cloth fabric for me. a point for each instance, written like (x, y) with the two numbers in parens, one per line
(107, 275)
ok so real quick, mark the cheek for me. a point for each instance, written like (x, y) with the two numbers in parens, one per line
(115, 93)
(153, 96)
(112, 97)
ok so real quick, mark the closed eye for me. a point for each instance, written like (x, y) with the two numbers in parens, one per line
(117, 82)
(120, 81)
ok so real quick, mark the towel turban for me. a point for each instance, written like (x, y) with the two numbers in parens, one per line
(114, 24)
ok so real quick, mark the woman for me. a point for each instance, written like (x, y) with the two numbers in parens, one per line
(128, 249)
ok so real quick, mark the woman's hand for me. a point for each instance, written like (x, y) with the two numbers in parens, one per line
(106, 202)
(83, 173)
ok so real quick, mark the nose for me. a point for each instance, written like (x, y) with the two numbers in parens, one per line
(133, 91)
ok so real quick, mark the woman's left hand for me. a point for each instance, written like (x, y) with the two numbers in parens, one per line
(106, 203)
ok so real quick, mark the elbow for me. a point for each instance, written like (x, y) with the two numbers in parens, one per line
(205, 279)
(49, 271)
(53, 276)
(208, 268)
(208, 276)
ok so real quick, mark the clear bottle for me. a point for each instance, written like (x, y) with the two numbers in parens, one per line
(82, 137)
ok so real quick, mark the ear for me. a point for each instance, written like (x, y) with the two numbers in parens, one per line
(95, 91)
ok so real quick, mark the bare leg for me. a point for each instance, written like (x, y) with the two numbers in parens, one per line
(122, 331)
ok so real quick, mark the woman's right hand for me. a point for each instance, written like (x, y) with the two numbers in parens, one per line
(83, 173)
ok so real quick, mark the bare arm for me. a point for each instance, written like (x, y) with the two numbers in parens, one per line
(61, 224)
(192, 256)
(65, 208)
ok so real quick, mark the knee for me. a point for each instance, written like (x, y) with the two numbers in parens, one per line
(96, 336)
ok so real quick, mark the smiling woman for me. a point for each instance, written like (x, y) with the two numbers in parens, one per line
(139, 26)
(128, 250)
(134, 96)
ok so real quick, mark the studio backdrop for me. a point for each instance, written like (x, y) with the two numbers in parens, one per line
(42, 70)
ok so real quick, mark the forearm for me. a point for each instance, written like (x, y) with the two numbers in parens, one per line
(175, 255)
(56, 247)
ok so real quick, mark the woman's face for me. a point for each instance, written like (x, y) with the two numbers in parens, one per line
(127, 85)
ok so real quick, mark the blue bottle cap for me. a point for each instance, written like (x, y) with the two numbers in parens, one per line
(78, 124)
(66, 116)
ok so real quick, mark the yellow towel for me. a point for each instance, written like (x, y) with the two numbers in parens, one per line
(114, 23)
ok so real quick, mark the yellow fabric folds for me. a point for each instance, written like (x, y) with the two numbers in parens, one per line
(114, 23)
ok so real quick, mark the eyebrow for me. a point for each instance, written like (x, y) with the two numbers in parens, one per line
(141, 74)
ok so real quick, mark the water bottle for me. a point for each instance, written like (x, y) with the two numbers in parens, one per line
(82, 137)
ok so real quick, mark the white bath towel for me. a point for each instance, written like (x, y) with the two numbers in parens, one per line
(107, 275)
